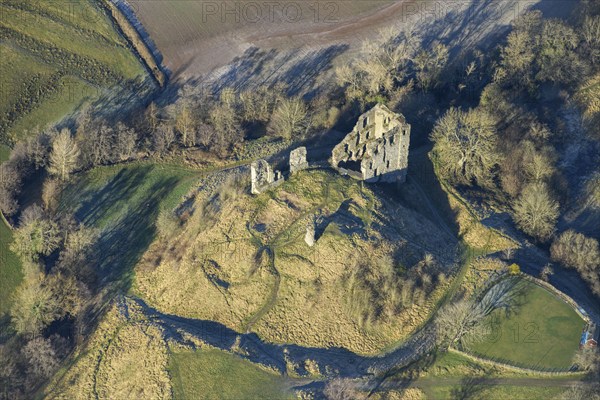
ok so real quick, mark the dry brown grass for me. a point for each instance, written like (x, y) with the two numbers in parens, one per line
(214, 269)
(406, 394)
(481, 271)
(473, 232)
(124, 359)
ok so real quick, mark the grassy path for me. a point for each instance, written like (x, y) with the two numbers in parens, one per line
(487, 381)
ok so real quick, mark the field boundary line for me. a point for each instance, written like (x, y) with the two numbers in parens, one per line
(512, 367)
(135, 39)
(12, 228)
(560, 294)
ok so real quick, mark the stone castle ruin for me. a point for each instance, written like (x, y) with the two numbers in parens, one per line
(298, 160)
(377, 148)
(263, 177)
(375, 151)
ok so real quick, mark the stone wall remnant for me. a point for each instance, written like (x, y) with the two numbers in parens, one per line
(309, 237)
(377, 148)
(298, 160)
(262, 177)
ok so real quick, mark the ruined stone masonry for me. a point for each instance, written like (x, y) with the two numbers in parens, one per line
(377, 148)
(309, 237)
(262, 177)
(298, 160)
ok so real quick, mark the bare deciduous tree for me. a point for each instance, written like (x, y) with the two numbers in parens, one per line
(163, 137)
(465, 146)
(38, 148)
(464, 317)
(50, 192)
(430, 64)
(185, 122)
(591, 37)
(41, 356)
(575, 250)
(289, 119)
(342, 389)
(34, 306)
(126, 142)
(35, 236)
(152, 116)
(227, 128)
(64, 157)
(592, 190)
(535, 212)
(10, 185)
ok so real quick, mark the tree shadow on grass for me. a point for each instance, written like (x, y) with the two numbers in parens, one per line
(127, 221)
(471, 387)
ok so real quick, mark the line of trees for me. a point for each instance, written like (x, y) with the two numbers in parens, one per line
(575, 250)
(391, 66)
(216, 125)
(58, 263)
(505, 144)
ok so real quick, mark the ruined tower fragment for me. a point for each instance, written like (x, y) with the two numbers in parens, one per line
(298, 160)
(377, 148)
(309, 237)
(262, 177)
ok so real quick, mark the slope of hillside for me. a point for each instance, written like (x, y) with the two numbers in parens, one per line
(242, 260)
(55, 56)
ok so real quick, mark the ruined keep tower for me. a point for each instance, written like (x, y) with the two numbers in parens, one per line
(377, 148)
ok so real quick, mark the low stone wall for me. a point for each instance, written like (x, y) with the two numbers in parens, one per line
(512, 367)
(131, 34)
(559, 294)
(353, 174)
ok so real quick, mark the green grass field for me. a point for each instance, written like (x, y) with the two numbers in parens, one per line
(52, 54)
(454, 376)
(72, 92)
(542, 332)
(123, 201)
(10, 268)
(4, 152)
(214, 374)
(470, 389)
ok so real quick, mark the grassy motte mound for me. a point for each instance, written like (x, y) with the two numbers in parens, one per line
(373, 275)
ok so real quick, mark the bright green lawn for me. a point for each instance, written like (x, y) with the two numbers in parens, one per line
(542, 333)
(17, 67)
(471, 390)
(214, 374)
(82, 31)
(10, 266)
(63, 35)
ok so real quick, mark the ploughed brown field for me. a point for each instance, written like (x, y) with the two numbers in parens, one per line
(197, 36)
